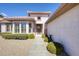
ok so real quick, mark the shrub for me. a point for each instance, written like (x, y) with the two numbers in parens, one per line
(43, 36)
(59, 48)
(15, 36)
(21, 36)
(6, 33)
(55, 48)
(51, 48)
(31, 36)
(46, 39)
(7, 36)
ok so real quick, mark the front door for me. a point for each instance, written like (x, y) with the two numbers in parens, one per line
(38, 28)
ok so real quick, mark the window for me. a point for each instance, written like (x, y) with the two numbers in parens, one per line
(23, 27)
(30, 26)
(7, 27)
(16, 27)
(39, 18)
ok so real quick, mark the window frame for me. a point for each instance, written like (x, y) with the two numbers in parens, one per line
(16, 29)
(23, 27)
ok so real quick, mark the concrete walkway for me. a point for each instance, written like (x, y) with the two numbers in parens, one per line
(15, 47)
(39, 48)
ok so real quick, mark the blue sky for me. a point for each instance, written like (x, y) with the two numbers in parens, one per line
(20, 9)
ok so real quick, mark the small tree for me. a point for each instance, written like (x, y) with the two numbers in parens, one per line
(1, 16)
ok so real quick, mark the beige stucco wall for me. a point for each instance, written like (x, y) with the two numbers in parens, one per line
(41, 21)
(65, 29)
(3, 26)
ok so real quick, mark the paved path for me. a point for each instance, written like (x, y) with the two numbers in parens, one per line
(15, 47)
(39, 48)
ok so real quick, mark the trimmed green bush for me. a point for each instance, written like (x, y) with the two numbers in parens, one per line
(15, 36)
(6, 33)
(51, 48)
(18, 36)
(21, 36)
(45, 39)
(31, 36)
(43, 36)
(55, 48)
(59, 48)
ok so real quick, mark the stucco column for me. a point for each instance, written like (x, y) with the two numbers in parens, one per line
(13, 28)
(43, 28)
(19, 27)
(27, 27)
(10, 28)
(32, 28)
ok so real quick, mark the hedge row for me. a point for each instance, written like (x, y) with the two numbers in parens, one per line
(18, 36)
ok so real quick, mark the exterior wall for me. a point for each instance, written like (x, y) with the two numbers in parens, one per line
(41, 21)
(65, 29)
(3, 28)
(44, 18)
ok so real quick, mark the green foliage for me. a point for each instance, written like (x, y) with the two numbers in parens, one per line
(18, 36)
(6, 33)
(31, 36)
(51, 48)
(23, 36)
(15, 36)
(59, 48)
(45, 39)
(43, 36)
(55, 48)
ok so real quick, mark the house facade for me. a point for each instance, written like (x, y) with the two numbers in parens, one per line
(33, 23)
(63, 25)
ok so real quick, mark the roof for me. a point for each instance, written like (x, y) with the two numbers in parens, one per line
(32, 12)
(17, 18)
(61, 10)
(4, 21)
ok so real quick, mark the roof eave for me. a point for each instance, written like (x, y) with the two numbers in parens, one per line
(19, 19)
(61, 10)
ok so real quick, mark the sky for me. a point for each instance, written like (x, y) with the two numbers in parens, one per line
(20, 9)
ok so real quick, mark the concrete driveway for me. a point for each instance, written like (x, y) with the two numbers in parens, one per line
(15, 47)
